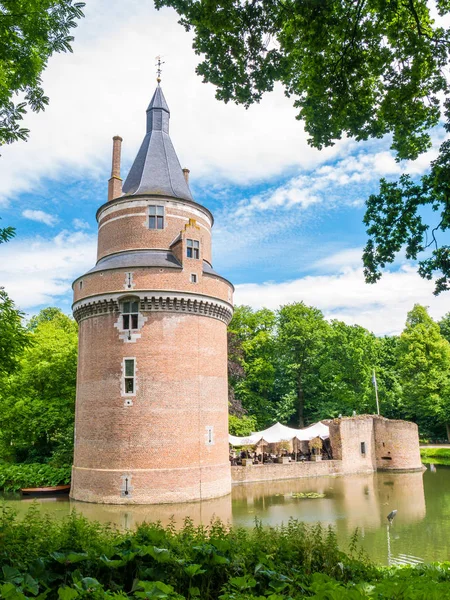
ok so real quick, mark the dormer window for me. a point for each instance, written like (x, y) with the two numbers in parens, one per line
(130, 314)
(156, 217)
(193, 248)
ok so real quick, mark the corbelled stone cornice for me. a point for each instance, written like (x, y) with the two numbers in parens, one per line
(155, 301)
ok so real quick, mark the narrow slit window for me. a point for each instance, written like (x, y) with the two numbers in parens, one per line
(209, 437)
(363, 447)
(193, 248)
(130, 314)
(156, 217)
(193, 278)
(129, 368)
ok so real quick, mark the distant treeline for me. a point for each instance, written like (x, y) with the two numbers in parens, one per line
(294, 366)
(290, 365)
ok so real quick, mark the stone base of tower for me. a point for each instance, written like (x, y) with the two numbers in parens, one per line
(150, 486)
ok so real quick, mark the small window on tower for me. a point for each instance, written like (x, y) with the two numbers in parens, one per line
(363, 447)
(193, 248)
(81, 285)
(129, 375)
(209, 436)
(130, 314)
(193, 278)
(156, 217)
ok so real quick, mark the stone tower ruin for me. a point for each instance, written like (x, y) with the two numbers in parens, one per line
(152, 403)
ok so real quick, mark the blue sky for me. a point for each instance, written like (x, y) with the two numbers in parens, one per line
(288, 218)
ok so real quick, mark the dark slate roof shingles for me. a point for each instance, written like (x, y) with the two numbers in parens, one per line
(143, 258)
(156, 169)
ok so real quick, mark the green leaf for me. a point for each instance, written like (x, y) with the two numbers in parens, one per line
(67, 593)
(8, 592)
(194, 569)
(69, 557)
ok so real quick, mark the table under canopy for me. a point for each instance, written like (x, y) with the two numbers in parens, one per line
(281, 433)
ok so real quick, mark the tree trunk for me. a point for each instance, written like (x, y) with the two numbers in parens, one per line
(447, 425)
(301, 402)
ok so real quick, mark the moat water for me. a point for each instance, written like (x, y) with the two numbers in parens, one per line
(419, 532)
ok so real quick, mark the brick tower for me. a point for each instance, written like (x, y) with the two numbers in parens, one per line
(152, 408)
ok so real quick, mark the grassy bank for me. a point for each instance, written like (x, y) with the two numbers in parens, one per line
(13, 477)
(42, 558)
(438, 456)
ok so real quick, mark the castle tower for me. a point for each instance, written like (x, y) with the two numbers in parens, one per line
(152, 403)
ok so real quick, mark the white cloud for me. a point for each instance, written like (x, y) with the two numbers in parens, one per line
(40, 216)
(80, 224)
(40, 271)
(103, 89)
(342, 260)
(381, 308)
(337, 183)
(317, 186)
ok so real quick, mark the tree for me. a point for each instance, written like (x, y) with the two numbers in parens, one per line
(344, 372)
(30, 32)
(364, 69)
(6, 233)
(395, 220)
(37, 402)
(444, 326)
(301, 334)
(53, 315)
(388, 379)
(253, 333)
(241, 426)
(424, 367)
(13, 335)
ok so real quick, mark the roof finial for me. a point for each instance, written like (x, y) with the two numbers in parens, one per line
(158, 70)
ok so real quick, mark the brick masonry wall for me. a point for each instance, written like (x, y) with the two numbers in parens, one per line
(181, 388)
(396, 444)
(127, 227)
(346, 436)
(155, 278)
(391, 445)
(270, 472)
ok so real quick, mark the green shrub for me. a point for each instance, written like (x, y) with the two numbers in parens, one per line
(435, 455)
(78, 559)
(14, 477)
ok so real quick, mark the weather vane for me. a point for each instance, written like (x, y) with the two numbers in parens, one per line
(158, 64)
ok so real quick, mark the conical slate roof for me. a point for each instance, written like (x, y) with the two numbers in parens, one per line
(156, 168)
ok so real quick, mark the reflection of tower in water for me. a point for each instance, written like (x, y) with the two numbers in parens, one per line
(367, 499)
(353, 501)
(129, 518)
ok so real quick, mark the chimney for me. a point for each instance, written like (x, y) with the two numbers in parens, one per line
(115, 182)
(186, 175)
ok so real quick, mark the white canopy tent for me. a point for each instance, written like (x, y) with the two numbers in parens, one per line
(281, 433)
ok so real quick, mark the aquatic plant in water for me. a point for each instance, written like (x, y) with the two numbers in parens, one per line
(308, 495)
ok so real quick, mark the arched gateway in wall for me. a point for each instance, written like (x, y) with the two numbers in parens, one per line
(152, 402)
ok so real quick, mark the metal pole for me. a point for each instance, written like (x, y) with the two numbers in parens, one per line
(389, 544)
